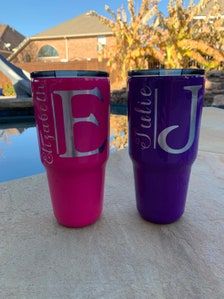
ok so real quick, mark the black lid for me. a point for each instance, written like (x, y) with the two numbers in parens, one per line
(68, 74)
(166, 72)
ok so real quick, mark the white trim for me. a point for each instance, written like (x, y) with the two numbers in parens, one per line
(70, 35)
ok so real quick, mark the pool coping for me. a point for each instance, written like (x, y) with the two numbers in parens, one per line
(14, 102)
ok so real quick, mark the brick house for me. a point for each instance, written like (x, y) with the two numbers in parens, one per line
(9, 40)
(78, 39)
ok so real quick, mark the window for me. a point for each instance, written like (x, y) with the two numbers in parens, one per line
(102, 41)
(47, 52)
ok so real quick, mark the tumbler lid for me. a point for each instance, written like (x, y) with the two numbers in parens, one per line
(68, 74)
(167, 72)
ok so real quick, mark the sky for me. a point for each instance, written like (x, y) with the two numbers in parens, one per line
(30, 17)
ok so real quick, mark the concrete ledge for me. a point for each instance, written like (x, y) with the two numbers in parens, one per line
(121, 256)
(212, 130)
(13, 102)
(16, 110)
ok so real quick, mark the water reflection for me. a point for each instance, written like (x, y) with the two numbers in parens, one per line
(6, 133)
(19, 152)
(9, 130)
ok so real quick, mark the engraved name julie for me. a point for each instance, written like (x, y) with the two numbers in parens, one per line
(144, 110)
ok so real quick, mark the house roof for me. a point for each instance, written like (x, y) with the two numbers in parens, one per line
(9, 39)
(208, 7)
(83, 25)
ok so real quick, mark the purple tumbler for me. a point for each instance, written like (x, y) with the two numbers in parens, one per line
(164, 111)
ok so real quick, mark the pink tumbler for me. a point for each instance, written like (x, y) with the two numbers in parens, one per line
(72, 119)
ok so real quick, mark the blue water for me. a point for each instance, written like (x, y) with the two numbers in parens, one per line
(19, 153)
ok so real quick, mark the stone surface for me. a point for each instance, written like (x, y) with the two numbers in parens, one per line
(214, 88)
(121, 256)
(212, 130)
(215, 74)
(119, 96)
(218, 100)
(214, 85)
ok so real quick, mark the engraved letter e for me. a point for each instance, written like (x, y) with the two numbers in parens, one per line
(70, 121)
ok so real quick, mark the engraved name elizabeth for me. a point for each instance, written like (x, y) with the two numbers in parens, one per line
(144, 139)
(69, 122)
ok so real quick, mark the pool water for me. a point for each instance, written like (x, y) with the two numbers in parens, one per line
(19, 153)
